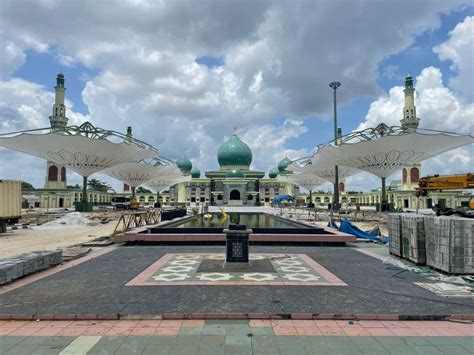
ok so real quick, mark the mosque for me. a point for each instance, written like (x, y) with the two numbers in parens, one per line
(234, 184)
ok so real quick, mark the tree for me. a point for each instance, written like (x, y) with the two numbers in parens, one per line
(98, 185)
(73, 186)
(142, 190)
(26, 186)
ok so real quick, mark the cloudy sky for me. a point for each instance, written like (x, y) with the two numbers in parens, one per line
(183, 73)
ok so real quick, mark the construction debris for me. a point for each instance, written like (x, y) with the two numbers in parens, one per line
(28, 263)
(444, 289)
(73, 219)
(444, 243)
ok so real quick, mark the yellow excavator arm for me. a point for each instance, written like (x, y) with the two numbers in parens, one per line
(446, 182)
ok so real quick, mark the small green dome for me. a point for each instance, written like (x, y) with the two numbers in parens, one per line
(283, 164)
(235, 173)
(184, 164)
(273, 173)
(234, 152)
(195, 173)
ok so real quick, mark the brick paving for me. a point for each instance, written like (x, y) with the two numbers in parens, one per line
(235, 336)
(95, 287)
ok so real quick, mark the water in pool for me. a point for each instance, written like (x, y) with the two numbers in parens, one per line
(251, 220)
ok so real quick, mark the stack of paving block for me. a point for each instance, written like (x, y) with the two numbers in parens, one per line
(395, 234)
(450, 243)
(413, 238)
(28, 263)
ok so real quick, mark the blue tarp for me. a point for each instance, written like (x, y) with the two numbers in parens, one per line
(349, 228)
(281, 198)
(332, 223)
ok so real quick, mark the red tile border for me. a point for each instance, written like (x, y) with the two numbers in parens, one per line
(458, 318)
(215, 316)
(301, 316)
(142, 278)
(283, 327)
(335, 236)
(259, 316)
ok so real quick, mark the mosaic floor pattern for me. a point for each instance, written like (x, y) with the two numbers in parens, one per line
(207, 269)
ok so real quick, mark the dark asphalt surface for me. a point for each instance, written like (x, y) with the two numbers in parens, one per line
(98, 286)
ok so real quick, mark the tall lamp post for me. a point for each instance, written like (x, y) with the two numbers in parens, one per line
(334, 85)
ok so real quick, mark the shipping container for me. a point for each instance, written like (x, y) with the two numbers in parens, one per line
(10, 199)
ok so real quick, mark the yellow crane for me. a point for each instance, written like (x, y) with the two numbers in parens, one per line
(447, 182)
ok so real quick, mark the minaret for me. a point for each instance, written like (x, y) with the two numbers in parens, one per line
(58, 119)
(56, 174)
(409, 122)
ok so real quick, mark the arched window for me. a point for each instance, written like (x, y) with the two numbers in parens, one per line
(63, 174)
(414, 175)
(53, 173)
(405, 175)
(342, 187)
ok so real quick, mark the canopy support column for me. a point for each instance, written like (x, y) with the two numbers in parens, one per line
(133, 191)
(383, 200)
(336, 189)
(84, 189)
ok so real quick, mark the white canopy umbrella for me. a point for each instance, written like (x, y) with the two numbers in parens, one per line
(84, 149)
(327, 173)
(389, 153)
(135, 174)
(386, 155)
(163, 182)
(83, 155)
(132, 173)
(307, 181)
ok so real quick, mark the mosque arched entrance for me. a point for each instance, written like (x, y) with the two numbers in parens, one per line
(234, 195)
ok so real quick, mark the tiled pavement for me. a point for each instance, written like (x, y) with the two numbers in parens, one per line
(235, 337)
(278, 269)
(87, 286)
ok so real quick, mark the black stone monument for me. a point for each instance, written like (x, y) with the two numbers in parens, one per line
(237, 246)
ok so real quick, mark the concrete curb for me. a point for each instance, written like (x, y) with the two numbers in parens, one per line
(249, 316)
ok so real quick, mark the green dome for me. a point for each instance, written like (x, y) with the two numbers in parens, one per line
(195, 173)
(283, 164)
(234, 152)
(184, 164)
(235, 173)
(273, 173)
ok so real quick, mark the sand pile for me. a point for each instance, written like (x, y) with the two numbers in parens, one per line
(73, 219)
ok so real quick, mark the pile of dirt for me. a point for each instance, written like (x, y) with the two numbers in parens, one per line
(73, 219)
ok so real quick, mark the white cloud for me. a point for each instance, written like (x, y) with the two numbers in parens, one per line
(459, 49)
(278, 60)
(12, 57)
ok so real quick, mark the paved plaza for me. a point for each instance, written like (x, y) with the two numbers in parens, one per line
(180, 300)
(235, 337)
(119, 281)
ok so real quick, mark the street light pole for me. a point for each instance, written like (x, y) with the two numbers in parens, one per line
(334, 85)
